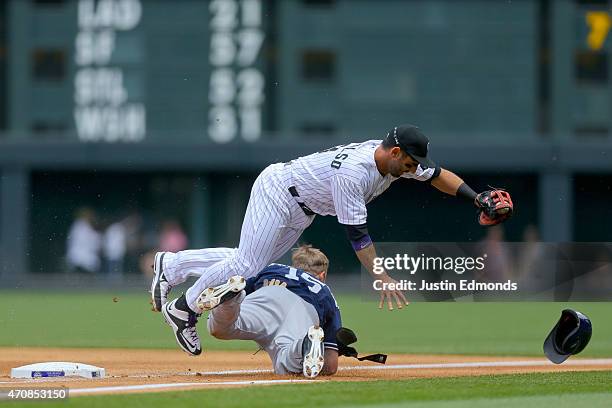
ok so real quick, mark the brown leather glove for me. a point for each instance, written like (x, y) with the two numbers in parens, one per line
(494, 207)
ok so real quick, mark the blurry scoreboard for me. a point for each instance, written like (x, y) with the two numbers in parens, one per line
(186, 69)
(136, 70)
(248, 70)
(108, 89)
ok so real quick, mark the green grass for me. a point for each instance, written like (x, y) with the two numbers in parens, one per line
(471, 328)
(94, 320)
(586, 389)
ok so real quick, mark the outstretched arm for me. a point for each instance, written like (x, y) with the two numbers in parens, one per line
(448, 182)
(495, 206)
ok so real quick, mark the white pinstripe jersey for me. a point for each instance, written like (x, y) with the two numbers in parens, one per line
(341, 180)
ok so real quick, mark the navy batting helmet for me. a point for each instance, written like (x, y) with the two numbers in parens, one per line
(570, 336)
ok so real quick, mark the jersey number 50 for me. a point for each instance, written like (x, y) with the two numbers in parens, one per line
(338, 160)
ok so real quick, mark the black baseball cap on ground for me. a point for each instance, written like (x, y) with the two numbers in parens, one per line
(570, 336)
(412, 141)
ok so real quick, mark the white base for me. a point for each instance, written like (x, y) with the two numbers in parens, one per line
(57, 369)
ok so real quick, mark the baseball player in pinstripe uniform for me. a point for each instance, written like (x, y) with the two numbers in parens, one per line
(284, 201)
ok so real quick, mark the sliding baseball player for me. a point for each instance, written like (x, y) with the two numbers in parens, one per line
(289, 312)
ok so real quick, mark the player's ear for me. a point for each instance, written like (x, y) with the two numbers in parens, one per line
(396, 152)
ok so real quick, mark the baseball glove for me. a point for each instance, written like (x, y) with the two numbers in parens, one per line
(494, 206)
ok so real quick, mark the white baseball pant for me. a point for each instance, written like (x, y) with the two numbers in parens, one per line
(272, 224)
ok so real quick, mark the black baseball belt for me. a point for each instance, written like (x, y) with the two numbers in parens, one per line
(304, 207)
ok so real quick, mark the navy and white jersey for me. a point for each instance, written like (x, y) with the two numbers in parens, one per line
(341, 180)
(308, 288)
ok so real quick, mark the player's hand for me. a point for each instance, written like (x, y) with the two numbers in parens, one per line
(274, 282)
(391, 295)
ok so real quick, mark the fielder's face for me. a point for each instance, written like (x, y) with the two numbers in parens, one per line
(401, 163)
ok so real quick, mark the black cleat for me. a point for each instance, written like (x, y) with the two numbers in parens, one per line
(183, 321)
(160, 286)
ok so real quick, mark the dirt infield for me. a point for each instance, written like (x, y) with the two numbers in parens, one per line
(130, 370)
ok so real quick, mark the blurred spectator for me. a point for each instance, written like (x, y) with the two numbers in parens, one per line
(114, 247)
(172, 238)
(134, 236)
(133, 229)
(530, 252)
(498, 263)
(145, 264)
(535, 265)
(83, 243)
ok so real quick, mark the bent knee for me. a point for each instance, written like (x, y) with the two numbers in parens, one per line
(221, 333)
(240, 265)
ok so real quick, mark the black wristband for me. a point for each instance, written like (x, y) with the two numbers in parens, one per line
(466, 192)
